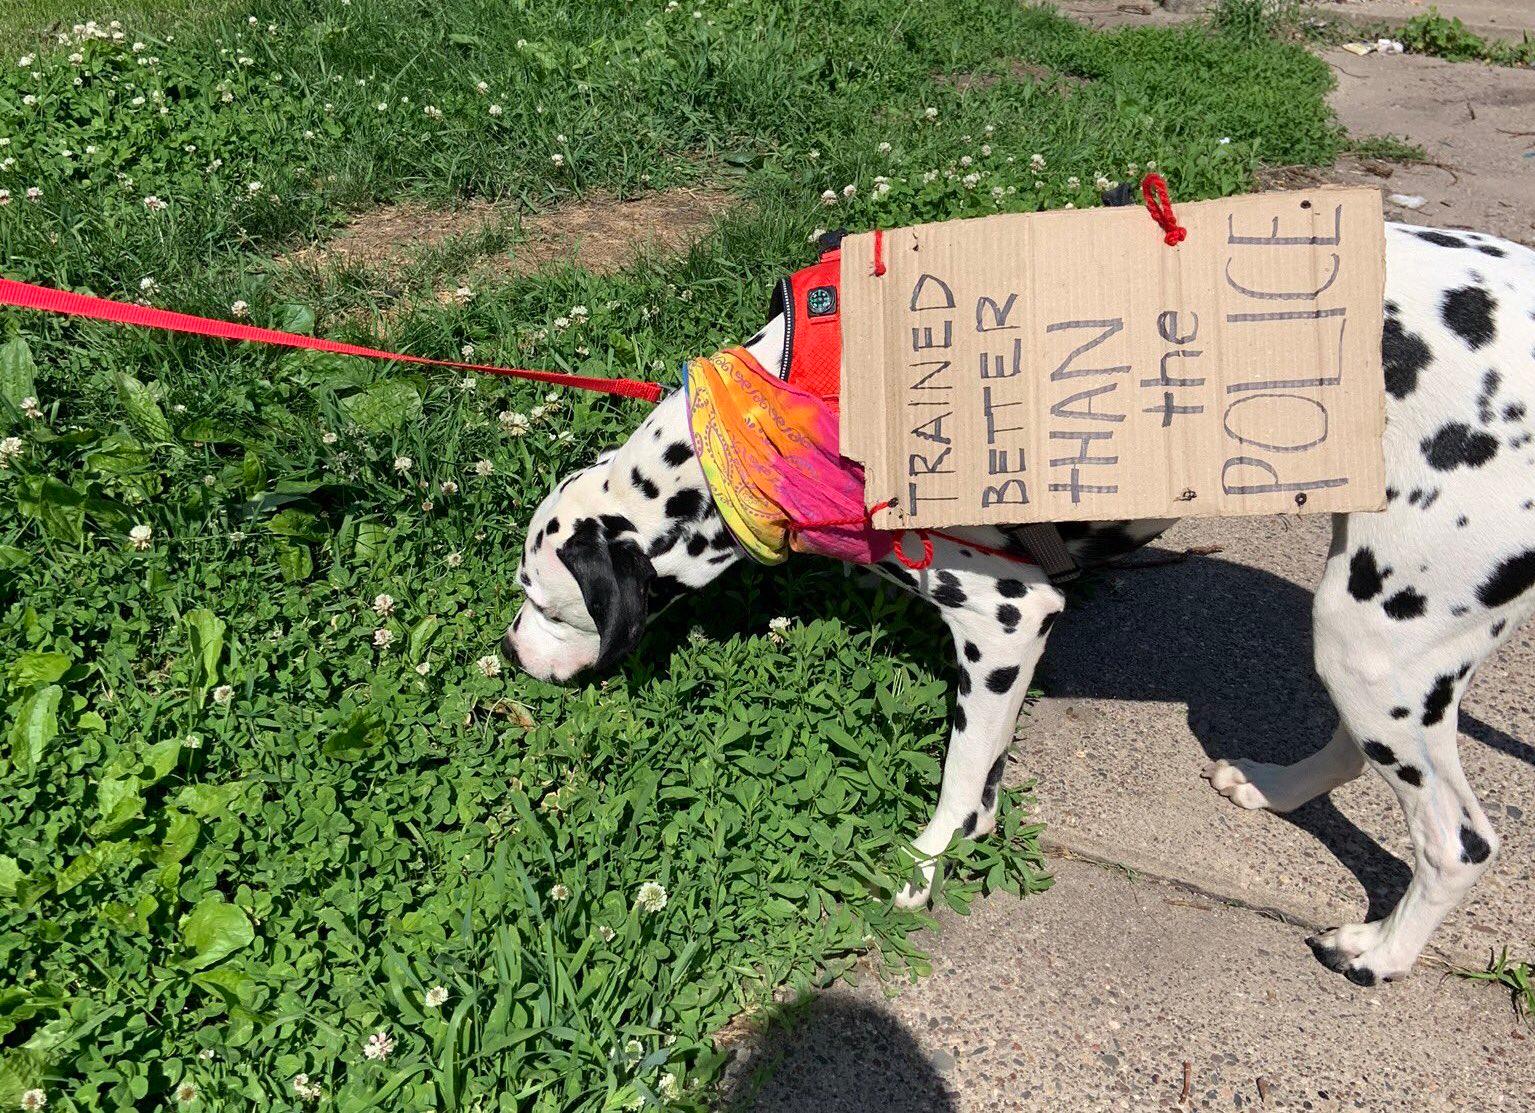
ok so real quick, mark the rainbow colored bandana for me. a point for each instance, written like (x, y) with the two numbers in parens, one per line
(769, 453)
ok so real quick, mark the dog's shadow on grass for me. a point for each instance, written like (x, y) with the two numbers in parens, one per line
(1234, 645)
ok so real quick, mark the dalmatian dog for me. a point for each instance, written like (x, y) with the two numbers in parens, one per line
(1413, 598)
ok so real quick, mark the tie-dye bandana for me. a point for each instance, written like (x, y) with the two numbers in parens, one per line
(769, 452)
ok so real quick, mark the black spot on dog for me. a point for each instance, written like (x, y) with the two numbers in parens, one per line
(1473, 848)
(1405, 604)
(552, 528)
(1491, 249)
(1405, 355)
(972, 652)
(1462, 522)
(1400, 712)
(1456, 445)
(959, 718)
(964, 681)
(970, 821)
(1438, 699)
(723, 558)
(900, 573)
(1410, 774)
(1047, 622)
(948, 593)
(1365, 578)
(663, 544)
(1441, 239)
(645, 486)
(1010, 589)
(1468, 314)
(724, 539)
(1514, 411)
(1379, 753)
(1498, 627)
(697, 544)
(524, 579)
(1391, 494)
(1464, 671)
(1429, 499)
(993, 779)
(1361, 975)
(677, 453)
(1459, 609)
(1509, 580)
(1008, 615)
(685, 504)
(1000, 680)
(616, 524)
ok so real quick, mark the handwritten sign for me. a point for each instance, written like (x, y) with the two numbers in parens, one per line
(1062, 366)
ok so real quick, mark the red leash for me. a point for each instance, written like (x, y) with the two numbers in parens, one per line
(1160, 206)
(23, 295)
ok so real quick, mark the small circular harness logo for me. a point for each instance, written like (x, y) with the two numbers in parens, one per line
(822, 301)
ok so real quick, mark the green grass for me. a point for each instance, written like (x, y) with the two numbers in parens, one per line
(1517, 976)
(1431, 33)
(244, 829)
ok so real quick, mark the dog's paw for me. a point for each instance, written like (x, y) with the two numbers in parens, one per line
(1356, 952)
(1253, 784)
(919, 890)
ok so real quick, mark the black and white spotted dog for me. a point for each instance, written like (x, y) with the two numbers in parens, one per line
(1413, 599)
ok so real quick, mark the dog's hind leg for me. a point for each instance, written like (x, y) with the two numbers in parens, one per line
(999, 612)
(1283, 788)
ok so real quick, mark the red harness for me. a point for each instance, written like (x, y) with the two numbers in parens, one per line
(810, 301)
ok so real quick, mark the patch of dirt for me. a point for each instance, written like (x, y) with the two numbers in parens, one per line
(600, 233)
(1064, 83)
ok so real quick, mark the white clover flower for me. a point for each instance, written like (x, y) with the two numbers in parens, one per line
(651, 897)
(154, 204)
(448, 488)
(194, 742)
(484, 468)
(26, 60)
(966, 160)
(205, 1054)
(494, 110)
(383, 637)
(884, 148)
(515, 424)
(31, 407)
(466, 351)
(829, 197)
(76, 58)
(224, 693)
(537, 412)
(33, 1100)
(1037, 163)
(137, 48)
(379, 1046)
(468, 382)
(670, 1088)
(1101, 183)
(302, 1087)
(308, 133)
(463, 295)
(930, 113)
(481, 87)
(435, 996)
(239, 308)
(557, 159)
(137, 102)
(815, 235)
(424, 668)
(252, 187)
(633, 1048)
(34, 193)
(813, 154)
(186, 1093)
(403, 464)
(141, 536)
(779, 624)
(580, 313)
(971, 180)
(454, 559)
(432, 112)
(605, 933)
(1225, 139)
(1073, 182)
(849, 190)
(10, 448)
(329, 437)
(1151, 165)
(559, 892)
(489, 665)
(997, 193)
(383, 605)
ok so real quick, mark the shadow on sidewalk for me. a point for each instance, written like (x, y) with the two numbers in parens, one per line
(839, 1055)
(1233, 643)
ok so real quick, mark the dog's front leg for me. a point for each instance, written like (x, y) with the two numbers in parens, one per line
(999, 612)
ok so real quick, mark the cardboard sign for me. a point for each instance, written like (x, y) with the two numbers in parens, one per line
(1061, 366)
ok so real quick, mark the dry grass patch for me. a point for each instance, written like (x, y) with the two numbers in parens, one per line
(1064, 84)
(599, 233)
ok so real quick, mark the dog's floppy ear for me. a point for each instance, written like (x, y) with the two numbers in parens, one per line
(614, 577)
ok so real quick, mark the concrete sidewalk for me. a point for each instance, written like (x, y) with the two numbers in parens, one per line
(1094, 995)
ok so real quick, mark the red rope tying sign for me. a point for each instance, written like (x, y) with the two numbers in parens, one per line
(26, 296)
(879, 253)
(1160, 206)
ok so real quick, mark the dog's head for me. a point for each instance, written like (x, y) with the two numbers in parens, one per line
(611, 545)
